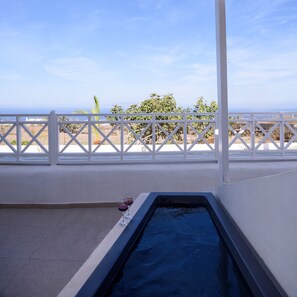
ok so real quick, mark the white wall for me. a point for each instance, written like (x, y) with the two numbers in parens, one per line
(107, 183)
(265, 209)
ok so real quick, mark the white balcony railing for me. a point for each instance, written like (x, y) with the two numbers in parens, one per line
(125, 138)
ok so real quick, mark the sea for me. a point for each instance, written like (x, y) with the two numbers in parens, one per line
(46, 110)
(10, 113)
(107, 110)
(27, 112)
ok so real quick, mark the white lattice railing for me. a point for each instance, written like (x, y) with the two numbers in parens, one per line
(134, 138)
(263, 135)
(24, 138)
(74, 138)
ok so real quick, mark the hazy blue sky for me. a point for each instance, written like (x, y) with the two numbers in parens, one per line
(57, 54)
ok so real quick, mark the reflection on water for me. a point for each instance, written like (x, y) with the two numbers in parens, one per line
(180, 254)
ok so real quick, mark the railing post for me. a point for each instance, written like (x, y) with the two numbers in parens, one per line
(185, 135)
(122, 138)
(18, 138)
(53, 135)
(90, 138)
(154, 136)
(282, 135)
(216, 137)
(253, 132)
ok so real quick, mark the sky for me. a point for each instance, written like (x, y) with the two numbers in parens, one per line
(58, 54)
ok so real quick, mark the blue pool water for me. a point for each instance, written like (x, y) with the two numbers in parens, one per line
(180, 254)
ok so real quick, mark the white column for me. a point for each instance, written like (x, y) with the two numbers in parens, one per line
(223, 157)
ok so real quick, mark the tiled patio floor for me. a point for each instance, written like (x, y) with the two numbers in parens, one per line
(41, 249)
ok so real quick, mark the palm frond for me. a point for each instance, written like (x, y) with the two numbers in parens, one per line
(97, 105)
(95, 111)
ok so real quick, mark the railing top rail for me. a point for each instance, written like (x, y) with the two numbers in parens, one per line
(263, 112)
(137, 114)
